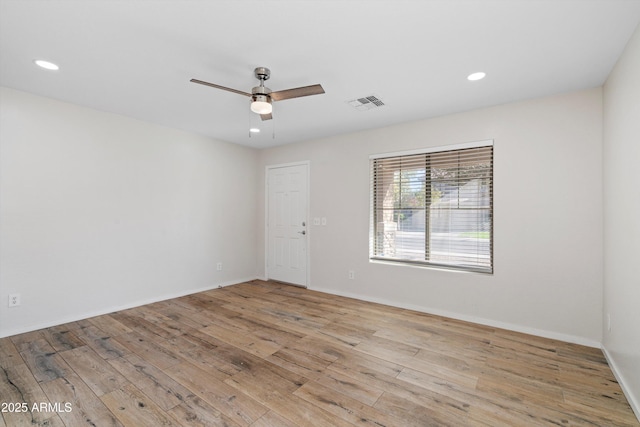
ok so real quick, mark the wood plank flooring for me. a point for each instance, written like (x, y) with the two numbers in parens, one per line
(264, 354)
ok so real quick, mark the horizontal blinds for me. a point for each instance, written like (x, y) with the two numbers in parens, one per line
(434, 208)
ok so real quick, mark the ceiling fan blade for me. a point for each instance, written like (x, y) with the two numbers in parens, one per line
(239, 92)
(266, 116)
(297, 92)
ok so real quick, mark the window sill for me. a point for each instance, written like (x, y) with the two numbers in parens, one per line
(429, 266)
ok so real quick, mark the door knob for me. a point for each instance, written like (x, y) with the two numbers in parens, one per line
(302, 232)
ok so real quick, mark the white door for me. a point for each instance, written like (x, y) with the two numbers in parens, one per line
(287, 224)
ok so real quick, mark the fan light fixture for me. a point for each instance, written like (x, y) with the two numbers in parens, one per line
(261, 105)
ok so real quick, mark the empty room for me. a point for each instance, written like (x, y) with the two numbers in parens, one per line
(319, 213)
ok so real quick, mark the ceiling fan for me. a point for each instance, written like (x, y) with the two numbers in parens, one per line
(262, 97)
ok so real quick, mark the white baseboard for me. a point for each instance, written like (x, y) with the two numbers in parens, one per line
(635, 405)
(86, 315)
(479, 320)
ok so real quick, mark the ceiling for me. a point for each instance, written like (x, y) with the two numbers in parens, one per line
(135, 58)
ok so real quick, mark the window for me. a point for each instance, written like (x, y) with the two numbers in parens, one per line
(434, 207)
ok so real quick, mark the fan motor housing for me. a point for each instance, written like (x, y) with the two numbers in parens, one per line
(261, 90)
(260, 98)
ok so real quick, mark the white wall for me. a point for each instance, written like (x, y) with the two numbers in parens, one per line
(622, 220)
(548, 217)
(99, 212)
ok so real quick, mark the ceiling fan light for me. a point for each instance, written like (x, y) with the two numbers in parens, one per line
(261, 107)
(261, 104)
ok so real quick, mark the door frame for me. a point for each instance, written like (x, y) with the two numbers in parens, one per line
(268, 168)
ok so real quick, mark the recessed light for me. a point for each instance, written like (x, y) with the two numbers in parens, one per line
(46, 65)
(476, 76)
(254, 130)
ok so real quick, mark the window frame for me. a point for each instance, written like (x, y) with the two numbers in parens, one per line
(428, 194)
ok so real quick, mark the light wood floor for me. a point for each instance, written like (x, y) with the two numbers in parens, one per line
(265, 354)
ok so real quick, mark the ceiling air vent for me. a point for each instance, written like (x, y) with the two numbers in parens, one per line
(366, 103)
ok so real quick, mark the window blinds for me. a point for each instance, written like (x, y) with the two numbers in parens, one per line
(434, 207)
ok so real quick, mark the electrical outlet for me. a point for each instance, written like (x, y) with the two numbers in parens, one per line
(352, 274)
(14, 300)
(219, 266)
